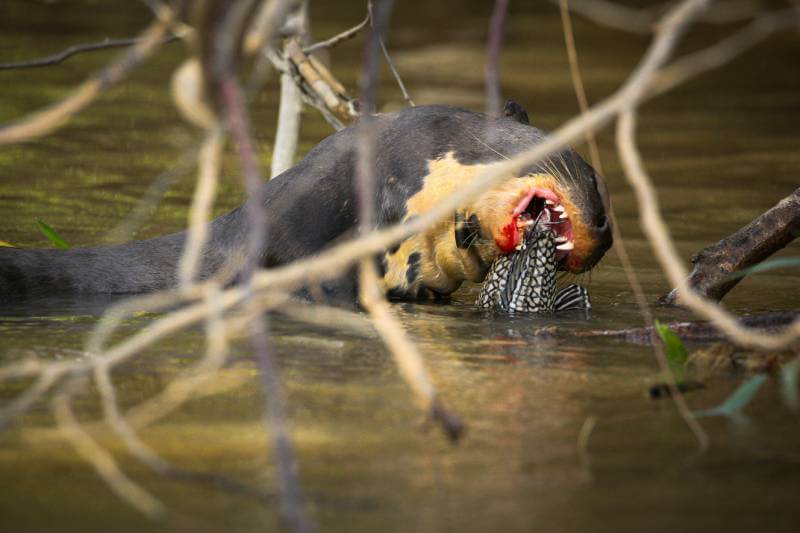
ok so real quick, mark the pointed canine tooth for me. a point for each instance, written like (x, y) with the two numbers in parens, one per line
(566, 246)
(561, 238)
(559, 208)
(563, 215)
(549, 202)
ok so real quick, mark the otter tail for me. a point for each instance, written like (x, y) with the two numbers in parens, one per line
(126, 268)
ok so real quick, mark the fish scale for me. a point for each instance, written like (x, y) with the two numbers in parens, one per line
(525, 280)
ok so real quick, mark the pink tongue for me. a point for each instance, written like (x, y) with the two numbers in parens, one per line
(547, 194)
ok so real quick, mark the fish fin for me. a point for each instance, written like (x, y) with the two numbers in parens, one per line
(572, 297)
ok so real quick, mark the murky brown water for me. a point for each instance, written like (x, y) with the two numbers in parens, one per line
(721, 149)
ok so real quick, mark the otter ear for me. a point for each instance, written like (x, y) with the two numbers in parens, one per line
(515, 111)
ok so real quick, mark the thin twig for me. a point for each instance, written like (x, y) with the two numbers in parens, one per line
(336, 39)
(62, 56)
(388, 59)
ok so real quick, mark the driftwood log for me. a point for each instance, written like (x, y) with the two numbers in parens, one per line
(713, 267)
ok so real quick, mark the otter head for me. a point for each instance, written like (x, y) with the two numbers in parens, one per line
(564, 193)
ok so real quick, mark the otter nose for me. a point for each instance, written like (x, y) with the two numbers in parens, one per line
(601, 223)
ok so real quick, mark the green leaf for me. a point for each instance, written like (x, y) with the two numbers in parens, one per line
(675, 350)
(52, 235)
(733, 405)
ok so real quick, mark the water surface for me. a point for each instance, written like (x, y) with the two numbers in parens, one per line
(721, 150)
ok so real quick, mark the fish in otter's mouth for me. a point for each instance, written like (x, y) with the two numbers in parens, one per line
(525, 280)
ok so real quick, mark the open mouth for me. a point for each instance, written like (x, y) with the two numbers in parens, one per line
(540, 207)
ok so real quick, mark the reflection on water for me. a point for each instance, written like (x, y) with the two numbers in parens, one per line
(721, 150)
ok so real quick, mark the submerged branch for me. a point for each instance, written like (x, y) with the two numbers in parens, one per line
(65, 54)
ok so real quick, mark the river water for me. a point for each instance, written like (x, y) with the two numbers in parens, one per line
(721, 149)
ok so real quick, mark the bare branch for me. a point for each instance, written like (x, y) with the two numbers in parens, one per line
(336, 39)
(62, 56)
(388, 59)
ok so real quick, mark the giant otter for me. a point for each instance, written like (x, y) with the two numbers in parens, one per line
(423, 153)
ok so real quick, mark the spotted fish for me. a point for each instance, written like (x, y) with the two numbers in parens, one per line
(525, 280)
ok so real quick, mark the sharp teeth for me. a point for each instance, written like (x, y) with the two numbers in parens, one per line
(559, 208)
(566, 246)
(549, 202)
(563, 215)
(561, 238)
